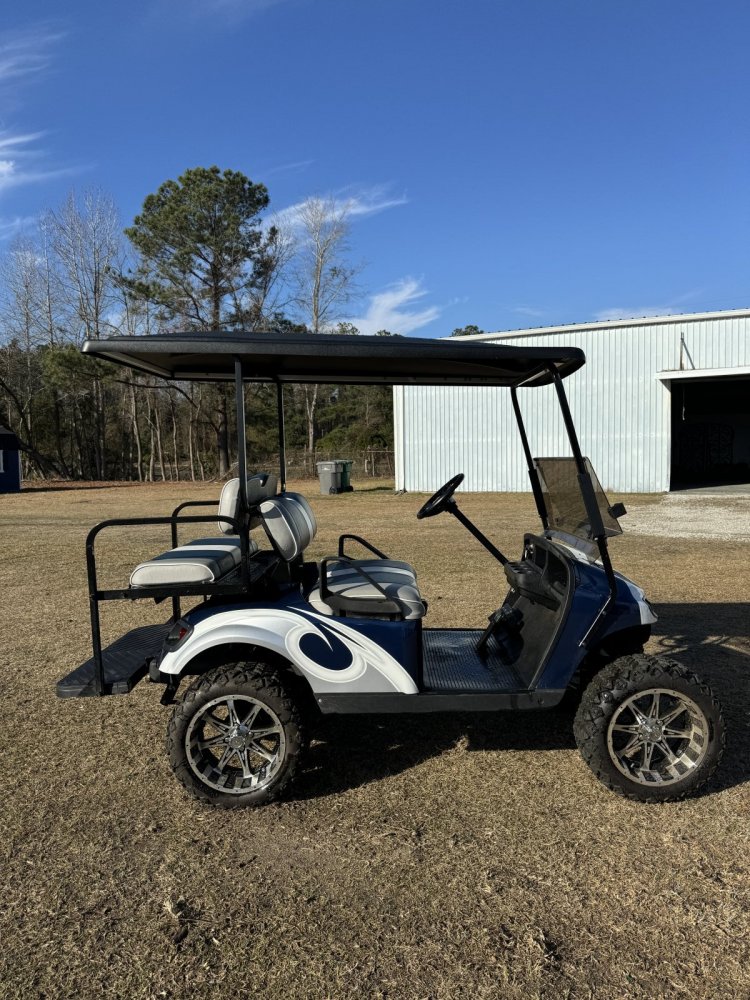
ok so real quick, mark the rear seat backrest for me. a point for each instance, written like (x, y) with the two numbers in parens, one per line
(290, 524)
(259, 487)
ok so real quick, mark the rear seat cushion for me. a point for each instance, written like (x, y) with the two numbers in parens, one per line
(354, 588)
(205, 560)
(290, 524)
(259, 487)
(229, 542)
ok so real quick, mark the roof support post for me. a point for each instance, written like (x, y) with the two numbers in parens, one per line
(241, 439)
(536, 486)
(567, 419)
(239, 391)
(282, 433)
(592, 508)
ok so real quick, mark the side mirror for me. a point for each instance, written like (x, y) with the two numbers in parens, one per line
(617, 510)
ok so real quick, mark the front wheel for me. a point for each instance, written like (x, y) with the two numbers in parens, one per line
(236, 737)
(649, 729)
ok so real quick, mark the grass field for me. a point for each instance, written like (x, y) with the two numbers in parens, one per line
(418, 857)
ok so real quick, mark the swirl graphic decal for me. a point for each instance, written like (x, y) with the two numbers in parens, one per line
(324, 649)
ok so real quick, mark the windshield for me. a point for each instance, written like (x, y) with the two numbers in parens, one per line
(562, 496)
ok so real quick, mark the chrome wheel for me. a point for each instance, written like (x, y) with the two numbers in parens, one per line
(657, 736)
(235, 744)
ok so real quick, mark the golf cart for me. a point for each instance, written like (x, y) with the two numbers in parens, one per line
(275, 639)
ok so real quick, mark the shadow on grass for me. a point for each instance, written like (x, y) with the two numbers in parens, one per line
(374, 489)
(714, 641)
(356, 750)
(711, 639)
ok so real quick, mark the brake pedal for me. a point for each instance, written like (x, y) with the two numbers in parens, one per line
(510, 618)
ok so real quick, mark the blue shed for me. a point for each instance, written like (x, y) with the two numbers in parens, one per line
(10, 462)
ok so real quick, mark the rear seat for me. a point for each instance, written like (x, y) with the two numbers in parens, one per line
(291, 526)
(207, 560)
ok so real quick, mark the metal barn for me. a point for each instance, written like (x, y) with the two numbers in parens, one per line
(10, 462)
(662, 403)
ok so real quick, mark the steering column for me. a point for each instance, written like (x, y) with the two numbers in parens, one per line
(442, 501)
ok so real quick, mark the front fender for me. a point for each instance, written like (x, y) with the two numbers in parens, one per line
(335, 658)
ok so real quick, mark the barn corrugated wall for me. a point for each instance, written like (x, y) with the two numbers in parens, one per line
(621, 407)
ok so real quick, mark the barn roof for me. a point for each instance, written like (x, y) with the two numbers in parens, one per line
(8, 440)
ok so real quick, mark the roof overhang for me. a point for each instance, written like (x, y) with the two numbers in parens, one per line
(273, 357)
(703, 373)
(8, 440)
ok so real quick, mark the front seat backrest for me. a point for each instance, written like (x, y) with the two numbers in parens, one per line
(259, 487)
(290, 524)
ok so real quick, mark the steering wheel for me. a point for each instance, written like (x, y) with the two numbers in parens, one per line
(439, 501)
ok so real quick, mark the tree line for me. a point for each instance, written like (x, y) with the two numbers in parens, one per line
(204, 254)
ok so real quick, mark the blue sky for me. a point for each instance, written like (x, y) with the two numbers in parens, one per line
(510, 164)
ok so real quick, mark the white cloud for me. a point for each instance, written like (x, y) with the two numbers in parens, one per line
(25, 53)
(356, 202)
(12, 169)
(677, 305)
(390, 309)
(11, 142)
(18, 167)
(530, 311)
(11, 227)
(284, 168)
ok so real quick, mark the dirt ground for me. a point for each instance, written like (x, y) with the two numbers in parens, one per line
(418, 857)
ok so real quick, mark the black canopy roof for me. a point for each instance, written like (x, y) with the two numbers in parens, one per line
(324, 358)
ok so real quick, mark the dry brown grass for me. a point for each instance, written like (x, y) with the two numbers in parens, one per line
(420, 857)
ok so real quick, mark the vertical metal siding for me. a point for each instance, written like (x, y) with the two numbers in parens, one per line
(622, 410)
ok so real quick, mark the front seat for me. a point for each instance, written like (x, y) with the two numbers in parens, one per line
(381, 588)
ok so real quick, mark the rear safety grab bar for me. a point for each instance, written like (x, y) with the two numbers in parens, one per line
(363, 542)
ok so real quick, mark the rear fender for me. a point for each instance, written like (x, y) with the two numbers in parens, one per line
(333, 657)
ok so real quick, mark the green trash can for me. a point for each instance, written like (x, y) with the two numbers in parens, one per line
(346, 471)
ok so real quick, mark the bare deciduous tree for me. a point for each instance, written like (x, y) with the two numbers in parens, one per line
(324, 280)
(85, 235)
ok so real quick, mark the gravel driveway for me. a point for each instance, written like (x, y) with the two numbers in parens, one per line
(691, 516)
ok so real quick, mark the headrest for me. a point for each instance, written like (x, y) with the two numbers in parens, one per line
(290, 524)
(259, 487)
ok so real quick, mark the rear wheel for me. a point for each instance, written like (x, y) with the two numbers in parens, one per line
(649, 729)
(236, 737)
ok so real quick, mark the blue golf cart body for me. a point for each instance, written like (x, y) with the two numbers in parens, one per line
(347, 633)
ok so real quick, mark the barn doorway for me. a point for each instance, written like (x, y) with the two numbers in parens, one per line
(710, 432)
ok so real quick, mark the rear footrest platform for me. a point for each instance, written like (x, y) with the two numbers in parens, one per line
(125, 663)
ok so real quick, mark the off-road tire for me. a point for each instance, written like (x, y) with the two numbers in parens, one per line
(264, 684)
(612, 686)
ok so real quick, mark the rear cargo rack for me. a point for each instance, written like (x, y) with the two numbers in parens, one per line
(114, 671)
